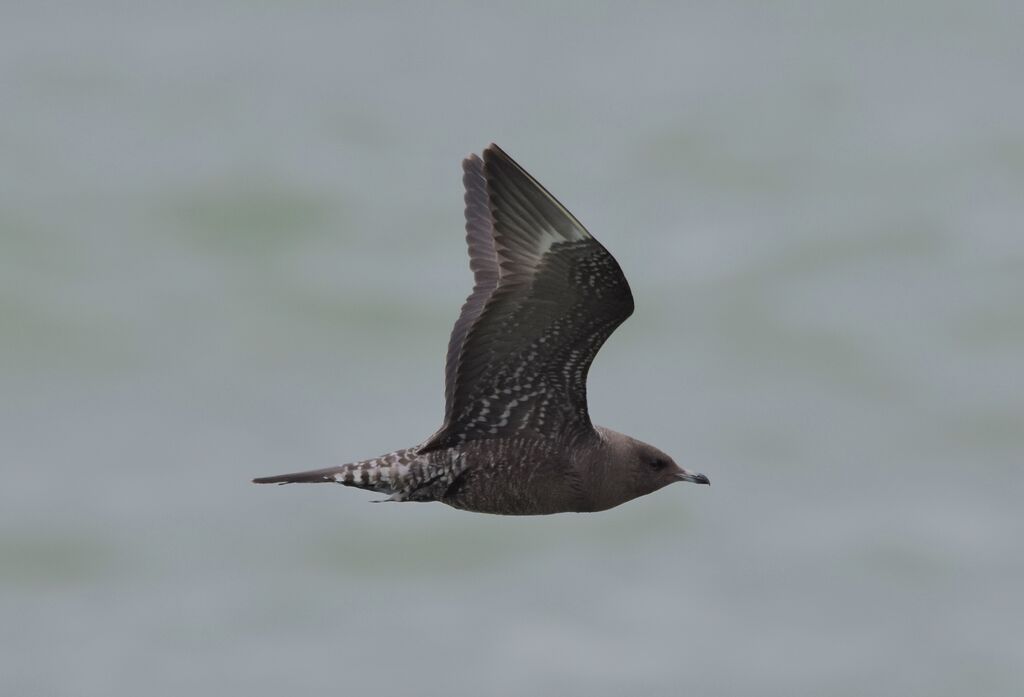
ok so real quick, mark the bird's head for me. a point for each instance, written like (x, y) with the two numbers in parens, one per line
(637, 468)
(652, 469)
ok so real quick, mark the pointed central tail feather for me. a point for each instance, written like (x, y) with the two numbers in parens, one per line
(327, 474)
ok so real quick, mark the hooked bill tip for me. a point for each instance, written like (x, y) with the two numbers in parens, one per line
(695, 478)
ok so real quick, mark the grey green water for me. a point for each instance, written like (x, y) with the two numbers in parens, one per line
(230, 245)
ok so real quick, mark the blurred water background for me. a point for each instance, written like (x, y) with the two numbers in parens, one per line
(231, 245)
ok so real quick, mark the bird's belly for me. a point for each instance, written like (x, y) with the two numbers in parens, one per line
(515, 491)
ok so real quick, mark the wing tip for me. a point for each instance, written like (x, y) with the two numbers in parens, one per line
(493, 150)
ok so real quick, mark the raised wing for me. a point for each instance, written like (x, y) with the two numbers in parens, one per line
(518, 358)
(483, 260)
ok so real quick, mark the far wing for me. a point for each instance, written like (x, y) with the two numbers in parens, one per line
(483, 261)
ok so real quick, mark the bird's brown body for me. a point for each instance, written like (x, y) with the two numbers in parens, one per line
(518, 477)
(532, 477)
(517, 437)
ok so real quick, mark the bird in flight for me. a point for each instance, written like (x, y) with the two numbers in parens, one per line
(517, 437)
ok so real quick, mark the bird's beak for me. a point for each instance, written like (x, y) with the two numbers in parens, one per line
(687, 476)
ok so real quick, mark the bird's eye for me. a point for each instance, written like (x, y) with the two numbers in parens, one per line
(658, 465)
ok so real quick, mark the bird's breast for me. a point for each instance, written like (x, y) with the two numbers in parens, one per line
(516, 479)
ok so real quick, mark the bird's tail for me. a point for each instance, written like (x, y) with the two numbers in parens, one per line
(327, 474)
(385, 474)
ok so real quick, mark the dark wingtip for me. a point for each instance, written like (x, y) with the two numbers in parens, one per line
(493, 149)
